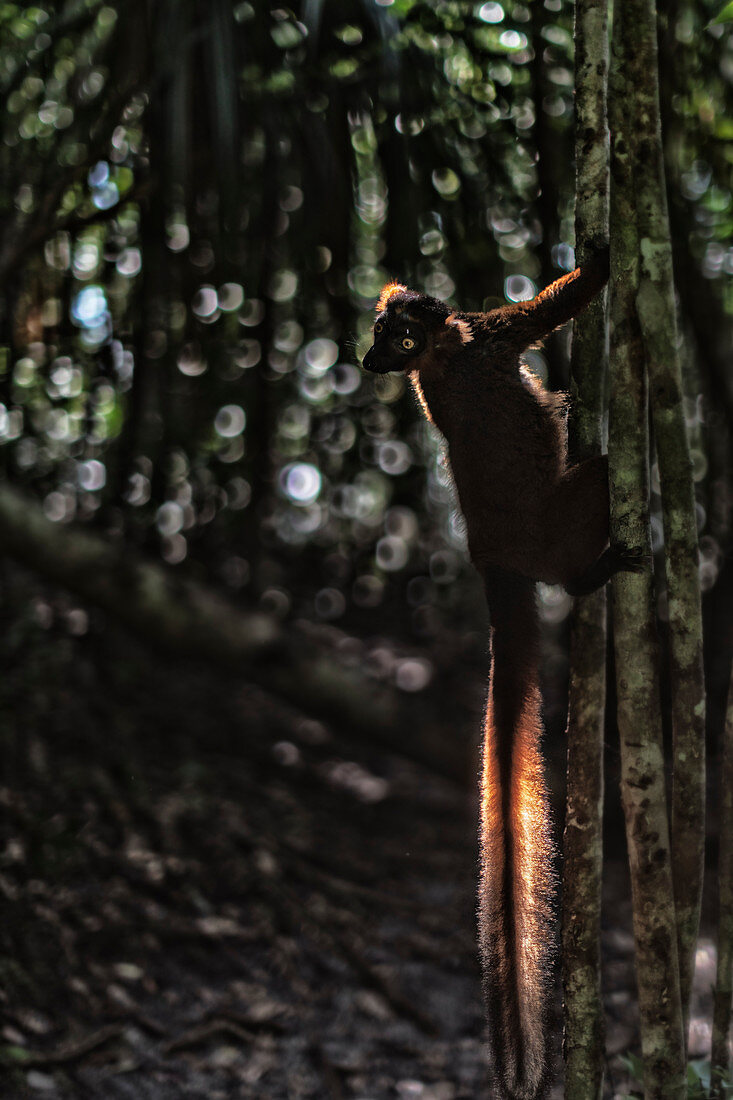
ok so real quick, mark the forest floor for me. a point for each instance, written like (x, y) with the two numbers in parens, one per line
(208, 895)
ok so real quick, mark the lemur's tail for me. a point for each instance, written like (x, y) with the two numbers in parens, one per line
(517, 879)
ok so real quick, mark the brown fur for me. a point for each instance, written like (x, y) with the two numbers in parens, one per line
(529, 517)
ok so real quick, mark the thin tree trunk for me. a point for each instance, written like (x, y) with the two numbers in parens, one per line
(720, 1056)
(552, 154)
(657, 315)
(583, 840)
(637, 660)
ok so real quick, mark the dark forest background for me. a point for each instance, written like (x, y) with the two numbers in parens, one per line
(214, 880)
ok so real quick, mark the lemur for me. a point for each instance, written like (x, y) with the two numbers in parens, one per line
(530, 516)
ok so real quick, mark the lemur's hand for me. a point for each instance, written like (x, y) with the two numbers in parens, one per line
(599, 259)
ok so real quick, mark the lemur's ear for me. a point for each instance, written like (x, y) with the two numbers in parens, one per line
(388, 292)
(463, 327)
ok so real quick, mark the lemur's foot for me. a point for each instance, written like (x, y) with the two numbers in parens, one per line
(614, 559)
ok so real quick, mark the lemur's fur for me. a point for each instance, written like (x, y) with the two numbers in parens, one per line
(529, 517)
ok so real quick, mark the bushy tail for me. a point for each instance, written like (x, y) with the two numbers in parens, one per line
(517, 878)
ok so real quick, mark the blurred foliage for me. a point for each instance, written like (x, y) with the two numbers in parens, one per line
(200, 202)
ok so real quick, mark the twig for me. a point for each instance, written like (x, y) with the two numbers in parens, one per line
(72, 1052)
(400, 1001)
(200, 1034)
(331, 1077)
(403, 1004)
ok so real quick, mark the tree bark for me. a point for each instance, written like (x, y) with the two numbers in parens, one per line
(583, 839)
(720, 1056)
(637, 659)
(184, 618)
(657, 315)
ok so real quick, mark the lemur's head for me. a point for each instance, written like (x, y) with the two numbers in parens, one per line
(409, 328)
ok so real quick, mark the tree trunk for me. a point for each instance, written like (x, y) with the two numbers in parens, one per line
(720, 1057)
(657, 315)
(637, 659)
(583, 839)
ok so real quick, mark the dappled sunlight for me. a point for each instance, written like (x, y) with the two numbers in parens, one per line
(244, 650)
(214, 337)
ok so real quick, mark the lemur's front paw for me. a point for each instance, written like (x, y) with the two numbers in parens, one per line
(600, 259)
(629, 559)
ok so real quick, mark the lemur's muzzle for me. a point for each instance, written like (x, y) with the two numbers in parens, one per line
(375, 362)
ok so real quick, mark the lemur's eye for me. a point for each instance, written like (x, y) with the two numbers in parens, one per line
(378, 327)
(408, 343)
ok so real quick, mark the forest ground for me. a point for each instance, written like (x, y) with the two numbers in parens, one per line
(209, 895)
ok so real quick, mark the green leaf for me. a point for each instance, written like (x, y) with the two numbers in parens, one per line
(124, 179)
(634, 1065)
(725, 15)
(10, 1055)
(698, 1077)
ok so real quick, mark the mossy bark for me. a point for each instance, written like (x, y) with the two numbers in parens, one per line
(720, 1056)
(657, 316)
(583, 838)
(583, 1040)
(636, 648)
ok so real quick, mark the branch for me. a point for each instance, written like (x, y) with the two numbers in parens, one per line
(65, 24)
(181, 617)
(13, 255)
(22, 235)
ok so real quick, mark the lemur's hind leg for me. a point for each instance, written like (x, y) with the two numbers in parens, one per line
(575, 521)
(577, 529)
(614, 559)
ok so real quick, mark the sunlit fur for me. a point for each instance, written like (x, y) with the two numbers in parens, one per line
(388, 291)
(417, 390)
(529, 516)
(463, 327)
(526, 509)
(517, 879)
